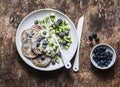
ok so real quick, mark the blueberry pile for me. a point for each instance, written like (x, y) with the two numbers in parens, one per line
(93, 36)
(102, 56)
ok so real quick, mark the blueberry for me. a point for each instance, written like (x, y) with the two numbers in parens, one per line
(96, 60)
(91, 44)
(105, 61)
(111, 54)
(44, 32)
(67, 32)
(90, 37)
(53, 62)
(56, 24)
(45, 42)
(95, 51)
(99, 63)
(101, 53)
(94, 57)
(102, 62)
(98, 49)
(104, 48)
(97, 40)
(101, 47)
(30, 36)
(59, 21)
(39, 39)
(61, 34)
(59, 54)
(96, 54)
(37, 44)
(109, 61)
(44, 46)
(36, 22)
(106, 64)
(94, 35)
(64, 42)
(43, 57)
(104, 56)
(109, 58)
(99, 57)
(42, 37)
(107, 54)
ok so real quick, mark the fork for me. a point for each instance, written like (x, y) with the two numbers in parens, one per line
(66, 62)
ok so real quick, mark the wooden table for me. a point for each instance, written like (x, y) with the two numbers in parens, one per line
(102, 16)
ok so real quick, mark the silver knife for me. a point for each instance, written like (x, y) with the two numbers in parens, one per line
(79, 33)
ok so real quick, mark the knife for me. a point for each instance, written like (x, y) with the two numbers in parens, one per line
(79, 33)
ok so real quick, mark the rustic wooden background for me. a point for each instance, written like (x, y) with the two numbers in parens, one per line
(102, 16)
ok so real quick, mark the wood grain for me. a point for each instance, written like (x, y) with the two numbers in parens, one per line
(102, 16)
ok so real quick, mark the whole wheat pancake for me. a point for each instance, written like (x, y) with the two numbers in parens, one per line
(41, 63)
(27, 49)
(26, 34)
(36, 29)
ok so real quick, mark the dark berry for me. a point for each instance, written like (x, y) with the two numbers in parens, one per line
(30, 36)
(97, 40)
(111, 54)
(42, 37)
(104, 56)
(96, 54)
(99, 57)
(59, 54)
(45, 42)
(94, 57)
(36, 22)
(37, 44)
(67, 32)
(39, 39)
(98, 49)
(91, 44)
(43, 57)
(101, 53)
(61, 34)
(106, 64)
(56, 24)
(59, 21)
(95, 51)
(104, 48)
(96, 60)
(107, 54)
(94, 35)
(64, 42)
(101, 47)
(53, 62)
(90, 37)
(102, 62)
(99, 63)
(44, 46)
(44, 32)
(109, 61)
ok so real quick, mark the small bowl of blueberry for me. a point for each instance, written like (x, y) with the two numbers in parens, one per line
(103, 56)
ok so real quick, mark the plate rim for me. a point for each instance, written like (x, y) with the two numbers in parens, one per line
(49, 9)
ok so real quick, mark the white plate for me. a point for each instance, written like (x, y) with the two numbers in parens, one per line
(28, 21)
